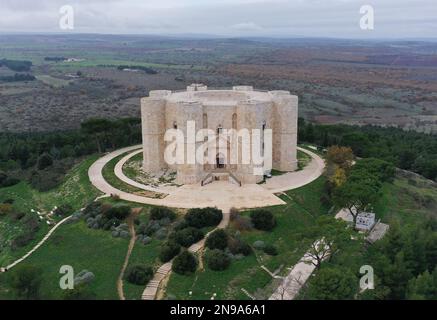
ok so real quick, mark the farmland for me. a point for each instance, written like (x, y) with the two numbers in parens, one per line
(337, 81)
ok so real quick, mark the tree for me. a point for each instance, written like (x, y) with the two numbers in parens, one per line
(333, 234)
(186, 237)
(44, 161)
(217, 260)
(185, 263)
(358, 194)
(217, 240)
(205, 217)
(168, 251)
(339, 177)
(382, 170)
(99, 128)
(359, 143)
(26, 281)
(333, 284)
(342, 157)
(158, 213)
(139, 274)
(263, 220)
(423, 287)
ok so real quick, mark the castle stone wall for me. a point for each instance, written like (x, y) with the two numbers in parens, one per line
(239, 108)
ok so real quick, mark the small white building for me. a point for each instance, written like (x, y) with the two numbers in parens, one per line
(365, 221)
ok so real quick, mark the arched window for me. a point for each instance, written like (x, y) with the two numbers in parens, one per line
(219, 129)
(205, 121)
(234, 121)
(175, 125)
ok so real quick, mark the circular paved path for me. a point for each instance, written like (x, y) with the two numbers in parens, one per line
(220, 194)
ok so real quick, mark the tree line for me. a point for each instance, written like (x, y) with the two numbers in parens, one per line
(407, 150)
(16, 65)
(44, 158)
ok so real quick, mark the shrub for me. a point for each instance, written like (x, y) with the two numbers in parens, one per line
(168, 251)
(181, 224)
(31, 222)
(206, 217)
(217, 260)
(93, 209)
(18, 215)
(233, 213)
(241, 223)
(186, 237)
(217, 240)
(6, 181)
(270, 250)
(263, 220)
(5, 208)
(118, 212)
(63, 210)
(184, 263)
(139, 274)
(23, 239)
(158, 213)
(26, 282)
(237, 246)
(259, 245)
(80, 292)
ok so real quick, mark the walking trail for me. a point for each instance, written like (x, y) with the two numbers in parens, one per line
(163, 272)
(130, 222)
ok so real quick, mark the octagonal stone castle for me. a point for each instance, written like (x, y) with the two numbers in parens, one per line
(236, 108)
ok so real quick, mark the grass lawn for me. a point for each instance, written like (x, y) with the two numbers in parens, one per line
(303, 206)
(52, 81)
(407, 200)
(111, 178)
(82, 248)
(145, 255)
(76, 191)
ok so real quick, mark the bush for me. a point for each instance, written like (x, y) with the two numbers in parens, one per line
(63, 210)
(6, 181)
(237, 246)
(241, 223)
(263, 220)
(217, 240)
(158, 213)
(5, 208)
(168, 251)
(207, 217)
(217, 260)
(118, 212)
(93, 209)
(259, 244)
(184, 263)
(139, 274)
(270, 250)
(186, 237)
(80, 292)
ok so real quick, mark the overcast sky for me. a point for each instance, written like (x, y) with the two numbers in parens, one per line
(282, 18)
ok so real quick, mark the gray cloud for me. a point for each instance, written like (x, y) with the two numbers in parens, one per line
(327, 18)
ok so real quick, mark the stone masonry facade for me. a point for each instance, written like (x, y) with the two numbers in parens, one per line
(236, 108)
